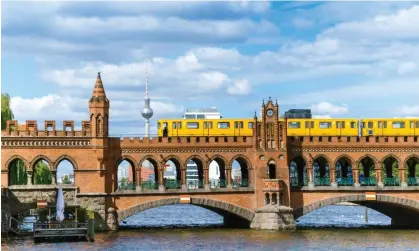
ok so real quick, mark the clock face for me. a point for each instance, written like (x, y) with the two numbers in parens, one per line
(270, 112)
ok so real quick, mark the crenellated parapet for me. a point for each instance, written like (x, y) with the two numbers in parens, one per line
(31, 129)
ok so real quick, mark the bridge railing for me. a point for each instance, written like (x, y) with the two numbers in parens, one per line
(391, 181)
(413, 181)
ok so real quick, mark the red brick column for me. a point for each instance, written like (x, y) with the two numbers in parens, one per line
(402, 174)
(206, 175)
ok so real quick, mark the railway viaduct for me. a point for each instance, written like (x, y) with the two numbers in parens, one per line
(283, 177)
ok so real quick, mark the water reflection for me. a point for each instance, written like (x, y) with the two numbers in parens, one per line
(215, 238)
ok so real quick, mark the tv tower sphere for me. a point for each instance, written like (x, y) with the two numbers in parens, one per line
(147, 112)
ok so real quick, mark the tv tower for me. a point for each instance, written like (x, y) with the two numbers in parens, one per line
(147, 112)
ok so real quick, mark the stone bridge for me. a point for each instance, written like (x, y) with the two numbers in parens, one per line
(281, 177)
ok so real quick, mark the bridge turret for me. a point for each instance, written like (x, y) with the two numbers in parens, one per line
(99, 110)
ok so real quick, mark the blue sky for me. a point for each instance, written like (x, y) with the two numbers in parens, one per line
(341, 59)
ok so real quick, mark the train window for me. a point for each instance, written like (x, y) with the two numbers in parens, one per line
(370, 124)
(385, 124)
(294, 125)
(363, 125)
(352, 125)
(417, 124)
(210, 125)
(325, 125)
(179, 125)
(158, 125)
(223, 125)
(200, 116)
(164, 125)
(205, 125)
(192, 125)
(250, 125)
(174, 125)
(412, 124)
(241, 124)
(398, 124)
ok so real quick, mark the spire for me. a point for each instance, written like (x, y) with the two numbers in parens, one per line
(276, 102)
(146, 79)
(98, 91)
(255, 117)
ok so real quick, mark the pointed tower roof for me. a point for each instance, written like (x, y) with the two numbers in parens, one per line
(99, 94)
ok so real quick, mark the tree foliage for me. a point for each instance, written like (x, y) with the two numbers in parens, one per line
(42, 173)
(6, 111)
(17, 174)
(65, 180)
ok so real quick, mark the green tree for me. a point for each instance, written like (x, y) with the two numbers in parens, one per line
(65, 180)
(42, 174)
(17, 174)
(6, 111)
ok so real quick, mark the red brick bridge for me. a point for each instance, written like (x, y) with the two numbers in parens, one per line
(280, 175)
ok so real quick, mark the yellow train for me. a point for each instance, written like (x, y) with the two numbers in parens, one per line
(295, 127)
(390, 127)
(205, 127)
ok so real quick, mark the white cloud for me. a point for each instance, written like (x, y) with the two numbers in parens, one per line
(409, 110)
(240, 87)
(328, 108)
(402, 25)
(408, 67)
(322, 117)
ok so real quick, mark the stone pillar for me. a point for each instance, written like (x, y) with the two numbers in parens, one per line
(273, 217)
(53, 177)
(355, 176)
(310, 174)
(206, 177)
(378, 171)
(402, 174)
(138, 187)
(229, 177)
(29, 174)
(161, 180)
(112, 220)
(332, 175)
(183, 178)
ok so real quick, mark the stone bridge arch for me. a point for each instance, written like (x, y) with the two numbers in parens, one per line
(232, 214)
(402, 211)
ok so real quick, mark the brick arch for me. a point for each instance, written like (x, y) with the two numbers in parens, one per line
(306, 162)
(271, 161)
(217, 156)
(204, 202)
(13, 158)
(301, 211)
(347, 157)
(329, 162)
(408, 158)
(154, 161)
(391, 156)
(39, 157)
(241, 156)
(195, 157)
(128, 158)
(65, 157)
(376, 162)
(171, 157)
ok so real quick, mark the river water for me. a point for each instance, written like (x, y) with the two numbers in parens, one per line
(187, 227)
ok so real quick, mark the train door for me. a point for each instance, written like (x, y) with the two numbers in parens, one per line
(175, 129)
(413, 127)
(308, 126)
(165, 129)
(382, 126)
(207, 127)
(238, 125)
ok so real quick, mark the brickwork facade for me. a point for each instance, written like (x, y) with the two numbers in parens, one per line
(95, 158)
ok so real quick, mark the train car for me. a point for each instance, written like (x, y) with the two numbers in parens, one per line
(205, 127)
(390, 127)
(322, 127)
